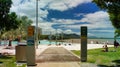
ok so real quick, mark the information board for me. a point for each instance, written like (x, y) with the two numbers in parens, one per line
(30, 38)
(30, 42)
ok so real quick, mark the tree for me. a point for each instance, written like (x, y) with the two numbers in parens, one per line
(12, 22)
(25, 22)
(8, 20)
(113, 9)
(117, 33)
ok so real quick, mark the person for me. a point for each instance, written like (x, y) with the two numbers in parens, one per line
(116, 44)
(105, 48)
(97, 42)
(39, 42)
(10, 42)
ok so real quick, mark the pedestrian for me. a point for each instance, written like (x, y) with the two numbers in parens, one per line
(10, 42)
(116, 44)
(105, 48)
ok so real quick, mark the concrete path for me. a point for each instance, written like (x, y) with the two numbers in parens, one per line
(57, 57)
(59, 64)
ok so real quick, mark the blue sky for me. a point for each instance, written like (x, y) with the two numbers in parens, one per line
(66, 16)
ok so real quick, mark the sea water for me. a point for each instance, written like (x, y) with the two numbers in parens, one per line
(107, 40)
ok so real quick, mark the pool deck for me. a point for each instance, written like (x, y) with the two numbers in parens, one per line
(41, 48)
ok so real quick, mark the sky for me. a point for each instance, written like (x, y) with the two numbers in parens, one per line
(66, 16)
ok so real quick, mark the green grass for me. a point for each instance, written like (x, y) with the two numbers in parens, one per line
(8, 61)
(102, 58)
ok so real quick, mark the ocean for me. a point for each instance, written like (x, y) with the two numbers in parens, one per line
(107, 40)
(94, 41)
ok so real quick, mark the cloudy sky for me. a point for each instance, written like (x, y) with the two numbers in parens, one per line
(66, 16)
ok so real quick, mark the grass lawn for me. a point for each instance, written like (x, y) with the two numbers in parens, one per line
(8, 61)
(102, 58)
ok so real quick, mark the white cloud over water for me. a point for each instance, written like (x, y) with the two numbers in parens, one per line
(98, 19)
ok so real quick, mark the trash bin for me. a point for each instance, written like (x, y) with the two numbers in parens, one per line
(21, 53)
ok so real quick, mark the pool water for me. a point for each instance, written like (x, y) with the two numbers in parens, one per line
(46, 42)
(40, 42)
(6, 42)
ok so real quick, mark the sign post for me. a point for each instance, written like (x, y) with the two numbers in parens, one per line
(83, 44)
(31, 46)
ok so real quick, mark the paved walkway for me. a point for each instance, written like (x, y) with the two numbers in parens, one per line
(57, 57)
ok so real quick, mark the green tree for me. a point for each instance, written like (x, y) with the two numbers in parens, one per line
(8, 20)
(113, 9)
(25, 22)
(12, 22)
(117, 33)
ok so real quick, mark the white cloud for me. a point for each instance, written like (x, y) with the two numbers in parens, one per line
(46, 27)
(64, 21)
(68, 31)
(28, 8)
(97, 20)
(109, 31)
(63, 5)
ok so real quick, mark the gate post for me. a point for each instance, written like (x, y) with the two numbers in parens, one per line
(83, 43)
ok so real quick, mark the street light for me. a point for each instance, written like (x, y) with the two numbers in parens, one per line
(37, 23)
(56, 37)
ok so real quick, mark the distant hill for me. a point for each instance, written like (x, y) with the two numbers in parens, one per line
(75, 36)
(67, 36)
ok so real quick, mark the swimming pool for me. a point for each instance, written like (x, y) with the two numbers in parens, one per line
(40, 42)
(47, 42)
(6, 42)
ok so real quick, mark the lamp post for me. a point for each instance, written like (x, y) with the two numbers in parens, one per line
(62, 37)
(37, 23)
(50, 37)
(56, 37)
